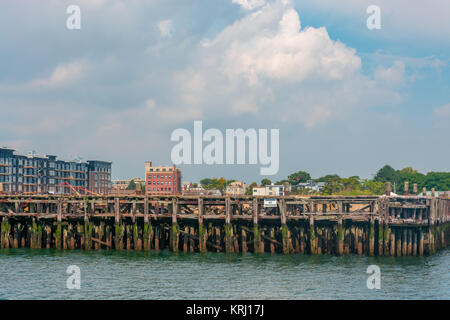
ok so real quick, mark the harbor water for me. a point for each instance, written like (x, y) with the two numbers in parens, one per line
(42, 274)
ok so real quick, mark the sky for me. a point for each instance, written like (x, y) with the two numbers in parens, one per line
(346, 100)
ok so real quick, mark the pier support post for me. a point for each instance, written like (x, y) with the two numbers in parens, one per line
(4, 234)
(388, 189)
(340, 237)
(58, 225)
(256, 235)
(185, 239)
(371, 237)
(386, 237)
(409, 243)
(359, 239)
(175, 230)
(244, 241)
(228, 227)
(202, 232)
(87, 234)
(420, 242)
(118, 227)
(398, 240)
(284, 229)
(431, 240)
(147, 232)
(312, 236)
(380, 237)
(48, 236)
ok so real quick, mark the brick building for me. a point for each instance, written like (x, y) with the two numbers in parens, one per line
(99, 176)
(162, 180)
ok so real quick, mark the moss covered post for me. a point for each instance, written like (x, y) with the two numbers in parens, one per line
(175, 230)
(371, 237)
(256, 235)
(284, 228)
(147, 227)
(118, 228)
(228, 227)
(312, 236)
(340, 237)
(58, 224)
(202, 232)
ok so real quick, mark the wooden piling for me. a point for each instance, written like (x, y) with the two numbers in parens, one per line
(398, 239)
(175, 230)
(360, 242)
(271, 244)
(244, 241)
(409, 242)
(202, 231)
(228, 227)
(312, 236)
(256, 235)
(147, 232)
(340, 238)
(371, 237)
(185, 239)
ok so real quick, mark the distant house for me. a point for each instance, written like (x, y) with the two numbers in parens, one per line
(311, 185)
(123, 184)
(443, 194)
(270, 190)
(186, 185)
(236, 188)
(201, 192)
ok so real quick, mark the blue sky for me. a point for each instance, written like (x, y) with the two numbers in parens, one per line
(346, 99)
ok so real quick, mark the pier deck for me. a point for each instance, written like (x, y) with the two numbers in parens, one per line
(371, 225)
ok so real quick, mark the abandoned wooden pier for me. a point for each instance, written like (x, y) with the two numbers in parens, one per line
(370, 225)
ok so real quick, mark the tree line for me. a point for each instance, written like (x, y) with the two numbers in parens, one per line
(333, 184)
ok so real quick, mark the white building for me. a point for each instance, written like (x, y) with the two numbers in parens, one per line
(236, 188)
(270, 190)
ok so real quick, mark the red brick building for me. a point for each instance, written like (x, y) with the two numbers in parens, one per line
(162, 180)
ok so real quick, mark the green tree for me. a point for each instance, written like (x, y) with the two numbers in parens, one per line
(131, 185)
(386, 174)
(265, 182)
(437, 180)
(215, 183)
(250, 188)
(412, 176)
(299, 176)
(326, 178)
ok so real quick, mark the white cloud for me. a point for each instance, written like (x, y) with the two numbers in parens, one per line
(442, 111)
(266, 65)
(62, 75)
(166, 28)
(290, 54)
(394, 75)
(249, 4)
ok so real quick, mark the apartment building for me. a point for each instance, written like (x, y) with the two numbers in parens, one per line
(99, 176)
(162, 180)
(33, 174)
